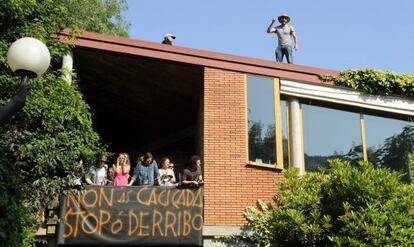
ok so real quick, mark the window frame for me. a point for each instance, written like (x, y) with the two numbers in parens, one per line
(278, 165)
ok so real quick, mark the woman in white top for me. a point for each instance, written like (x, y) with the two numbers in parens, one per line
(167, 177)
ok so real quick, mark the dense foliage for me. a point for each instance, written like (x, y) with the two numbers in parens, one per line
(47, 139)
(375, 81)
(101, 16)
(42, 146)
(353, 205)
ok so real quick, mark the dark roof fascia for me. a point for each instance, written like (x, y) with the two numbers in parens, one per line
(197, 57)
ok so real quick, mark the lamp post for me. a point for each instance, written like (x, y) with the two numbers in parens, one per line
(28, 57)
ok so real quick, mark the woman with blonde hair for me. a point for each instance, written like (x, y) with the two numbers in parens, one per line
(121, 170)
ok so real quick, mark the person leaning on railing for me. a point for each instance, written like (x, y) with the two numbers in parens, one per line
(167, 176)
(192, 175)
(121, 170)
(146, 172)
(98, 173)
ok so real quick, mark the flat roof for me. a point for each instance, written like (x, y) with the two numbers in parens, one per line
(127, 46)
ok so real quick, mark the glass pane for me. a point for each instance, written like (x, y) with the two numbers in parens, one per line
(283, 108)
(261, 119)
(330, 133)
(389, 143)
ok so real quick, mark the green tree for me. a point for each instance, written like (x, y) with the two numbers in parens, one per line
(262, 146)
(269, 144)
(353, 205)
(101, 16)
(395, 151)
(42, 146)
(255, 140)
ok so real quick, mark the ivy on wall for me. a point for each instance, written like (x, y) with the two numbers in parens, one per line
(372, 81)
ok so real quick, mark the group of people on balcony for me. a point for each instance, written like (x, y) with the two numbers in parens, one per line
(145, 172)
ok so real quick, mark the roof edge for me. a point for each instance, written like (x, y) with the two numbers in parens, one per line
(216, 59)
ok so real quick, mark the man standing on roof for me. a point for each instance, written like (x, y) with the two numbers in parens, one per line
(168, 39)
(284, 33)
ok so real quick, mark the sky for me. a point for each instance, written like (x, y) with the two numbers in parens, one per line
(334, 35)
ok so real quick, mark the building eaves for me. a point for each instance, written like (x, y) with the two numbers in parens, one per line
(174, 53)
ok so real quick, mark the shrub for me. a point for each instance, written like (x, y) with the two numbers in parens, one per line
(352, 205)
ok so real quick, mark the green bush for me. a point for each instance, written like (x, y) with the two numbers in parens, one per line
(352, 205)
(15, 219)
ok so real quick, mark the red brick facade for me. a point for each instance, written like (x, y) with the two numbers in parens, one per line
(230, 185)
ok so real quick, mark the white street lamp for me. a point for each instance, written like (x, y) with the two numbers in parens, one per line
(28, 57)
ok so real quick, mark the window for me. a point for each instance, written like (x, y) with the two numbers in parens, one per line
(264, 125)
(330, 133)
(389, 143)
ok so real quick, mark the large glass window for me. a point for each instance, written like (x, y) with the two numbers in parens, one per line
(262, 125)
(389, 143)
(330, 133)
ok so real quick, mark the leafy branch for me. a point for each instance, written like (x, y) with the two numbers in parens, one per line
(372, 81)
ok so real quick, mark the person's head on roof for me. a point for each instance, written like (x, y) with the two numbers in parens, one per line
(168, 39)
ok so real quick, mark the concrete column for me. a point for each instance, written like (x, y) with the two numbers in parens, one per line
(67, 64)
(295, 128)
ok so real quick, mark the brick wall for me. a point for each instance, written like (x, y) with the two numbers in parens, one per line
(230, 185)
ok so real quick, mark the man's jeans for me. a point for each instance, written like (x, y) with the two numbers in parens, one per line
(284, 50)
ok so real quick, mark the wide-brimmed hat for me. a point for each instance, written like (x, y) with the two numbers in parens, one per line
(103, 158)
(284, 15)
